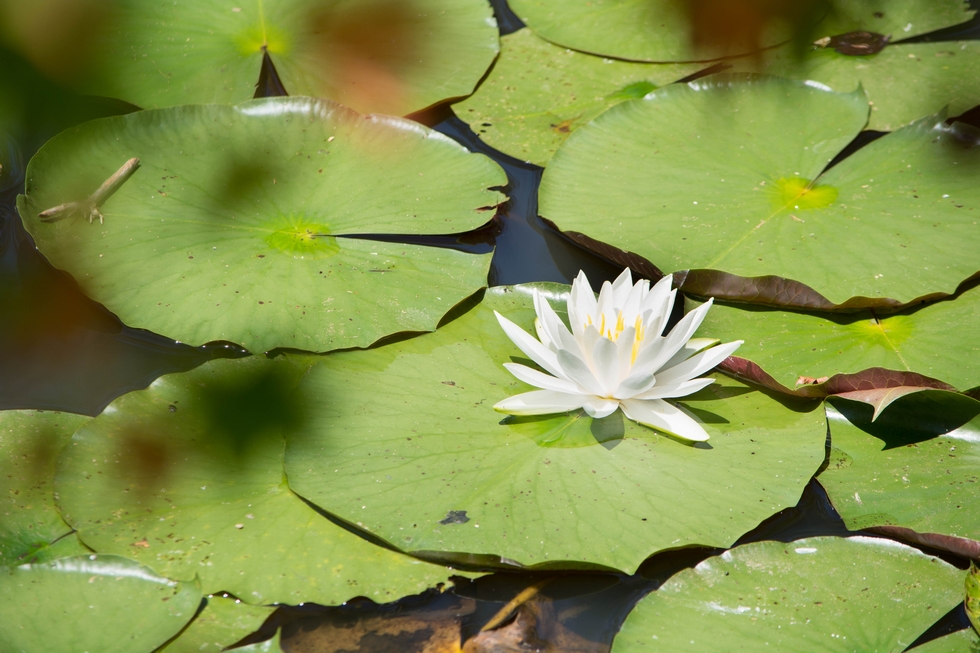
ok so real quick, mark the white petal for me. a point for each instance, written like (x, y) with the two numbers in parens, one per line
(675, 389)
(659, 302)
(540, 402)
(542, 336)
(541, 380)
(624, 345)
(698, 364)
(534, 349)
(634, 385)
(598, 407)
(691, 347)
(586, 343)
(631, 305)
(605, 316)
(553, 327)
(605, 365)
(674, 340)
(662, 416)
(621, 288)
(575, 369)
(581, 303)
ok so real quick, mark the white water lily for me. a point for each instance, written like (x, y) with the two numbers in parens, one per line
(615, 357)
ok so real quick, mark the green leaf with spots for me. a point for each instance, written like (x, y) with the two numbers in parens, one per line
(903, 82)
(29, 522)
(728, 173)
(538, 93)
(914, 467)
(403, 441)
(99, 603)
(223, 622)
(937, 340)
(381, 56)
(819, 594)
(230, 228)
(187, 477)
(663, 30)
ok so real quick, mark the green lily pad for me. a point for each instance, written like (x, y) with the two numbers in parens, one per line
(382, 56)
(187, 477)
(726, 173)
(936, 340)
(817, 594)
(223, 622)
(538, 93)
(914, 467)
(899, 19)
(904, 81)
(403, 441)
(660, 30)
(29, 443)
(99, 603)
(229, 228)
(962, 641)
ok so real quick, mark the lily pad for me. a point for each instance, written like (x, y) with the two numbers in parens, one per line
(915, 467)
(936, 340)
(962, 641)
(29, 443)
(187, 477)
(229, 229)
(91, 603)
(538, 93)
(384, 56)
(403, 441)
(904, 81)
(661, 30)
(727, 173)
(899, 19)
(223, 622)
(821, 593)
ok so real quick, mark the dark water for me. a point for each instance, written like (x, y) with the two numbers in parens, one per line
(61, 351)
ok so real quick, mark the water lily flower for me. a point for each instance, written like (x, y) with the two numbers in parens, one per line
(615, 356)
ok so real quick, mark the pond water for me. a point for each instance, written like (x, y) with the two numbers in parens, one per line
(62, 351)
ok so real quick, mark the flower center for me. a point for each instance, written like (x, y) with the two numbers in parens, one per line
(613, 331)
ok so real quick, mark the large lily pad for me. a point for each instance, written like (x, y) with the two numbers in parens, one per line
(403, 441)
(228, 229)
(936, 340)
(727, 173)
(385, 56)
(904, 81)
(223, 622)
(817, 594)
(91, 603)
(915, 467)
(661, 30)
(29, 443)
(539, 93)
(187, 477)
